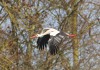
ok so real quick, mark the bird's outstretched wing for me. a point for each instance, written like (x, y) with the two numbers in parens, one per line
(55, 42)
(43, 41)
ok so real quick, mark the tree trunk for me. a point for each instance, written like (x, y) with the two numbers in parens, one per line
(74, 31)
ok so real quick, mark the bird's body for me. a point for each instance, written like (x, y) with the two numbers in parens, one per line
(53, 38)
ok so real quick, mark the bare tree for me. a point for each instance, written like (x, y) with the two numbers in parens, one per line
(20, 19)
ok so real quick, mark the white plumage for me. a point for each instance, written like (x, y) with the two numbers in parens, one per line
(53, 38)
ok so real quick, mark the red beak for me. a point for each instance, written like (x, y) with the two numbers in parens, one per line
(33, 37)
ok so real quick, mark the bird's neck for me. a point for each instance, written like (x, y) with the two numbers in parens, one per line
(52, 32)
(40, 35)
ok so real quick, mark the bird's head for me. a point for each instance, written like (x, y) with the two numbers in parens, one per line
(36, 36)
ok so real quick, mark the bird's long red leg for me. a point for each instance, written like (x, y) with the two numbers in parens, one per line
(72, 35)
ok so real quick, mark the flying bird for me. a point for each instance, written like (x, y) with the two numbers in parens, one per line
(52, 38)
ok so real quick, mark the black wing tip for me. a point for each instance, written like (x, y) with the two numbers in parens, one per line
(42, 47)
(42, 42)
(53, 51)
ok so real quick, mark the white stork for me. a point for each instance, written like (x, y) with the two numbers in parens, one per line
(52, 37)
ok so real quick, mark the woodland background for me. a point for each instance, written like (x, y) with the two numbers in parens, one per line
(20, 19)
